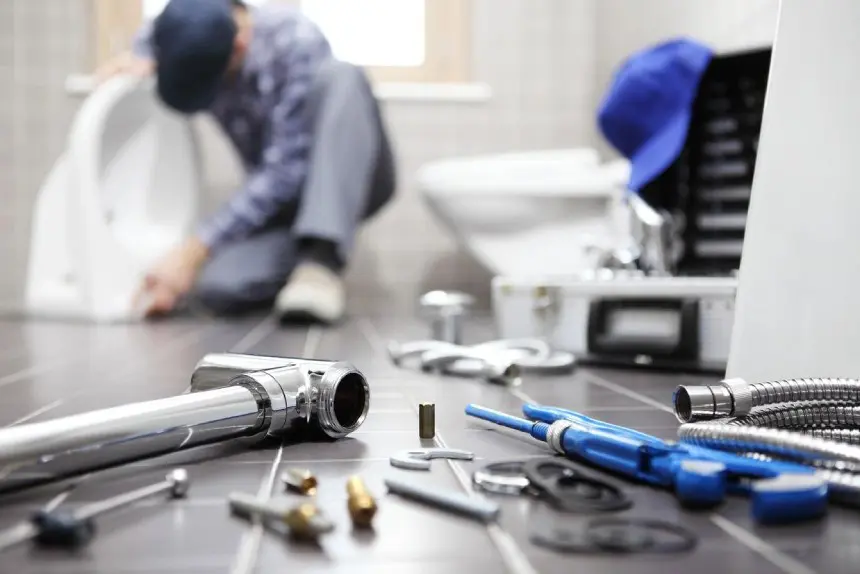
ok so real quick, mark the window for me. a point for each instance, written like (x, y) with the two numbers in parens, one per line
(399, 40)
(396, 40)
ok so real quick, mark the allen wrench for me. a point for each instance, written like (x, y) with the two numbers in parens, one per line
(419, 459)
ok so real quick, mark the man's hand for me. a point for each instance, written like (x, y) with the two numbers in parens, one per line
(125, 64)
(171, 278)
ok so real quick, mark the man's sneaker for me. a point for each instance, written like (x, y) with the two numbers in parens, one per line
(314, 293)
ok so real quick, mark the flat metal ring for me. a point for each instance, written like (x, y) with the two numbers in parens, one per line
(506, 477)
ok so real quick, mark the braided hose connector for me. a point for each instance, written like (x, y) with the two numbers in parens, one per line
(736, 397)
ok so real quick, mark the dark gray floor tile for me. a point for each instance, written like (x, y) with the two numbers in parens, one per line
(51, 369)
(440, 534)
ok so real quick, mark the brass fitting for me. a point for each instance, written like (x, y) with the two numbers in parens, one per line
(300, 480)
(426, 420)
(361, 505)
(305, 521)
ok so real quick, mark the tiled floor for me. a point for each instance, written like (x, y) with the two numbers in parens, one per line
(50, 370)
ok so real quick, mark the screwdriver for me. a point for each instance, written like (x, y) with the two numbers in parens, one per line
(72, 529)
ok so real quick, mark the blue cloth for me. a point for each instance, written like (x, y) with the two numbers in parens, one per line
(646, 112)
(263, 110)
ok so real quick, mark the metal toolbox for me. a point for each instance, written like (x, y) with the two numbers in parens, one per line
(624, 320)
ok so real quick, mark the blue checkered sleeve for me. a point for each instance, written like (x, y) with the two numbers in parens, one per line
(278, 178)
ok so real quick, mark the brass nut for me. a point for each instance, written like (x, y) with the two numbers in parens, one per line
(300, 480)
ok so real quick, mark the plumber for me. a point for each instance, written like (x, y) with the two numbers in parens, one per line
(310, 134)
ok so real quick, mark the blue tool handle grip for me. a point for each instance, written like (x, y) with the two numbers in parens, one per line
(611, 452)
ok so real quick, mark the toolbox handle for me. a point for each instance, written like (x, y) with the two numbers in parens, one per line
(683, 345)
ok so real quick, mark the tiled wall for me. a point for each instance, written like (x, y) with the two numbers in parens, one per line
(546, 61)
(537, 55)
(41, 43)
(538, 58)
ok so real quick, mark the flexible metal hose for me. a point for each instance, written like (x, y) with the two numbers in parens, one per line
(736, 397)
(815, 421)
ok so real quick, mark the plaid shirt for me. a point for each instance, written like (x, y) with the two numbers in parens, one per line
(263, 113)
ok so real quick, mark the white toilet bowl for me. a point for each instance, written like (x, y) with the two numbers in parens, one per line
(124, 192)
(532, 213)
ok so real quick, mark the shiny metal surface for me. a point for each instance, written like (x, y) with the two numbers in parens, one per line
(334, 397)
(215, 370)
(176, 484)
(419, 459)
(745, 396)
(499, 361)
(445, 311)
(811, 420)
(41, 452)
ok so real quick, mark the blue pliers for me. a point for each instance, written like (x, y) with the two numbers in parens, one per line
(780, 491)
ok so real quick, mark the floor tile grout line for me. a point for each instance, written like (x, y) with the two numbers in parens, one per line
(26, 373)
(36, 413)
(255, 335)
(773, 555)
(51, 406)
(66, 493)
(509, 551)
(62, 496)
(609, 385)
(249, 546)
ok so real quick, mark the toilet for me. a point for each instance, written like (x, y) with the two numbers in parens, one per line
(531, 213)
(123, 193)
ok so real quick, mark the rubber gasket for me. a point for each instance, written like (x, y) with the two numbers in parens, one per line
(640, 537)
(685, 541)
(564, 490)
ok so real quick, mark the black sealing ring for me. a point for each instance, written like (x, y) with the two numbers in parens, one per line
(626, 536)
(569, 490)
(620, 535)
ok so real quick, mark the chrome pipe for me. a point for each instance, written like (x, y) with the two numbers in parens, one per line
(215, 370)
(264, 403)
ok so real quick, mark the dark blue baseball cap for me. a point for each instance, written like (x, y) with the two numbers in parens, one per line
(646, 113)
(192, 43)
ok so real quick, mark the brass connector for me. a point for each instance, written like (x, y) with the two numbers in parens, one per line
(300, 480)
(361, 504)
(426, 420)
(305, 521)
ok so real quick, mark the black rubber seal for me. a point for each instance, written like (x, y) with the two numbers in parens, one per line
(565, 487)
(620, 536)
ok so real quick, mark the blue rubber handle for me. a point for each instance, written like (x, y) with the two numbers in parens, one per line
(698, 475)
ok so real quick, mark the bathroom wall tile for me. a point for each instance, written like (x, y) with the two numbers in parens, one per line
(536, 55)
